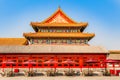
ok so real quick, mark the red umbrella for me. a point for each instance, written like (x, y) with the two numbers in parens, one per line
(11, 62)
(90, 61)
(51, 61)
(68, 61)
(30, 63)
(111, 61)
(8, 62)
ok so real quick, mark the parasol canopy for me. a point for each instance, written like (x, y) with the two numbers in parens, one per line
(51, 61)
(111, 61)
(8, 62)
(29, 62)
(91, 61)
(69, 61)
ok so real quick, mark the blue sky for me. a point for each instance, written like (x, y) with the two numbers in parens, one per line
(103, 17)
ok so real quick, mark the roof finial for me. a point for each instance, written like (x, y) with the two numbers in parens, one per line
(59, 7)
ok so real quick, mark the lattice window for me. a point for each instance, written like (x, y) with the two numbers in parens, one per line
(31, 41)
(50, 30)
(86, 41)
(35, 40)
(77, 41)
(48, 41)
(73, 41)
(39, 41)
(83, 41)
(68, 41)
(64, 41)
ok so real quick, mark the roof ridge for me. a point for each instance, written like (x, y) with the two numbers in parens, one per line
(58, 10)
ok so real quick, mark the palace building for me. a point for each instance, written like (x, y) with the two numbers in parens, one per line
(57, 38)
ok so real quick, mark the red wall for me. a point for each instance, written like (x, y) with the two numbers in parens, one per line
(78, 58)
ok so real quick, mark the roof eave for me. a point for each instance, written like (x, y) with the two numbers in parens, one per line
(58, 25)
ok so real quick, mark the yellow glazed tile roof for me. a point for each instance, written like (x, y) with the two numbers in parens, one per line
(53, 49)
(114, 51)
(58, 35)
(59, 11)
(13, 41)
(35, 24)
(64, 22)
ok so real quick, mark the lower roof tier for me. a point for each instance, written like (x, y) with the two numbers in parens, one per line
(52, 49)
(59, 35)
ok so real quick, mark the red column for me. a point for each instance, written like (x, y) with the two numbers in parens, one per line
(43, 61)
(114, 68)
(81, 64)
(17, 62)
(3, 65)
(37, 61)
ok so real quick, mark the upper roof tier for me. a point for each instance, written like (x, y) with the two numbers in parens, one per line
(58, 19)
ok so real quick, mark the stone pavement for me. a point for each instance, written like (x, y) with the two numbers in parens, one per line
(61, 78)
